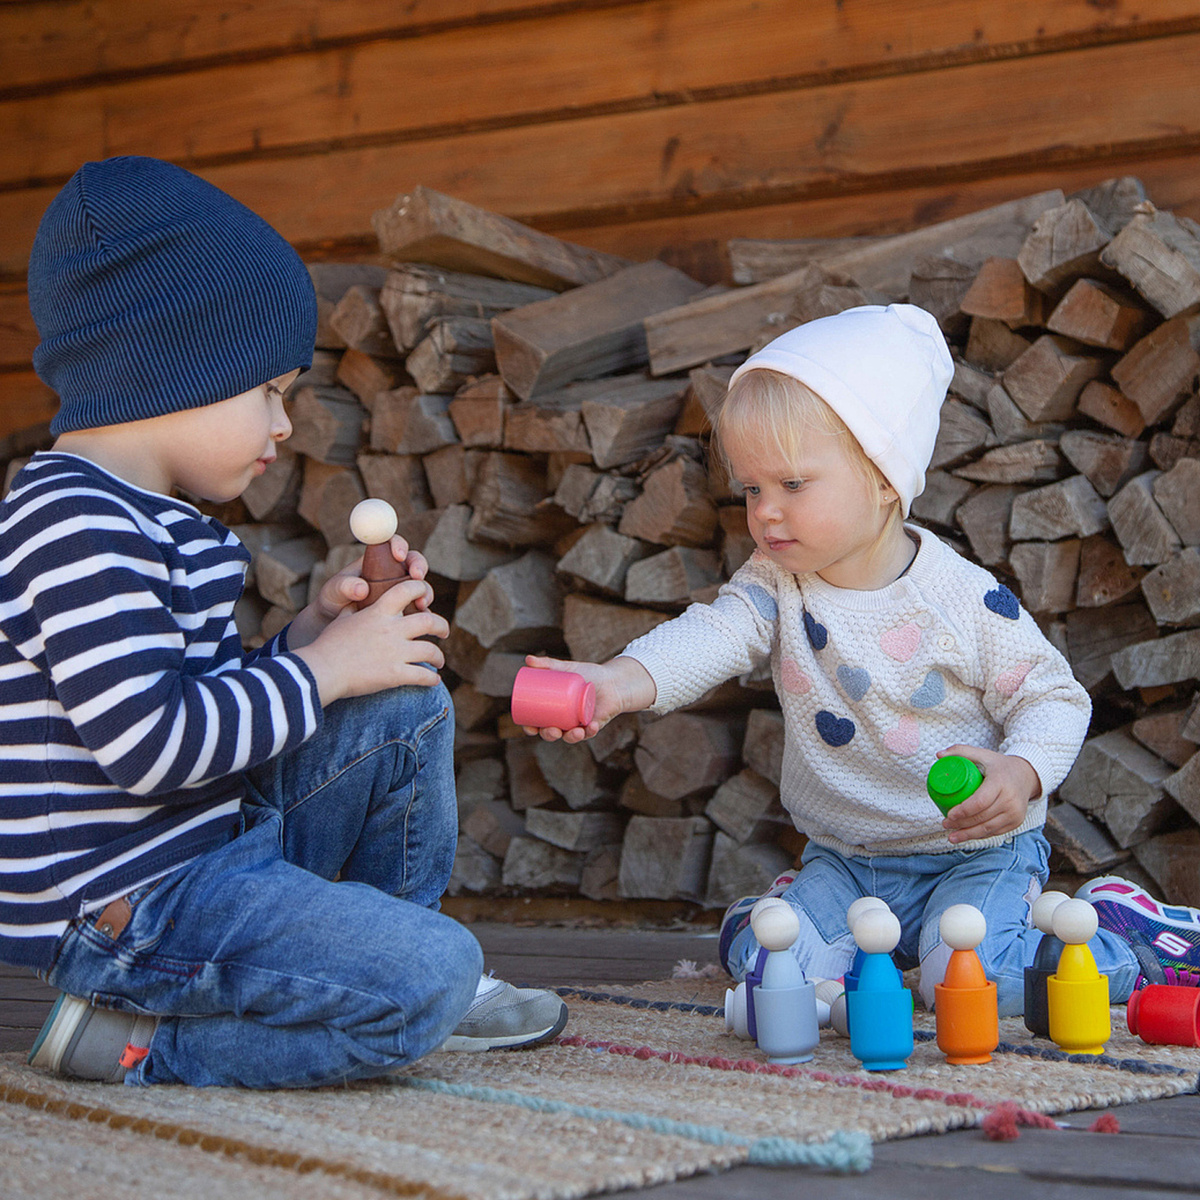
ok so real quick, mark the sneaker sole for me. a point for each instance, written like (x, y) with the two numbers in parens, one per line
(1129, 895)
(55, 1037)
(459, 1041)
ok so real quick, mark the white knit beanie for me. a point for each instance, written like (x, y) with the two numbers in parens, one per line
(884, 371)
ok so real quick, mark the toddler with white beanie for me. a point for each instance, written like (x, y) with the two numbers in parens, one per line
(888, 650)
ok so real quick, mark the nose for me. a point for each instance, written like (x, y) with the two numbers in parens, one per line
(765, 510)
(281, 426)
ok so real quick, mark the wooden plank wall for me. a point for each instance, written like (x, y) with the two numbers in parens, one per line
(645, 127)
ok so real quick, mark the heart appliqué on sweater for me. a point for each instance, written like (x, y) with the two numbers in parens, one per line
(818, 635)
(1002, 602)
(794, 680)
(901, 643)
(834, 731)
(931, 692)
(1007, 682)
(854, 680)
(905, 738)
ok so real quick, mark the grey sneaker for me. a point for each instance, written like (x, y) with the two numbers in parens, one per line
(85, 1042)
(502, 1016)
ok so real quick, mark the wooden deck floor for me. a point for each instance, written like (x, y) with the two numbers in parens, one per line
(1156, 1155)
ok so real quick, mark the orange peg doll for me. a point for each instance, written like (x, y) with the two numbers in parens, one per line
(373, 522)
(968, 1021)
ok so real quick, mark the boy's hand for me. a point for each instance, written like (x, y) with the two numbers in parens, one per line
(348, 586)
(622, 685)
(1000, 802)
(362, 652)
(345, 589)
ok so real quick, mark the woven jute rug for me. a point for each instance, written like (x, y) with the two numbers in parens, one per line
(645, 1086)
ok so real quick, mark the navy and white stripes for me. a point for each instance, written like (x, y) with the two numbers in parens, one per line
(128, 708)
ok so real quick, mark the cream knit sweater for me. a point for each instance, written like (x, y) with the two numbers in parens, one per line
(873, 684)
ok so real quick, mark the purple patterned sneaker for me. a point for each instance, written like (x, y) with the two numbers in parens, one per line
(737, 915)
(1164, 937)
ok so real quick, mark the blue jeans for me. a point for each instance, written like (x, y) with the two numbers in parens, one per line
(1001, 881)
(308, 949)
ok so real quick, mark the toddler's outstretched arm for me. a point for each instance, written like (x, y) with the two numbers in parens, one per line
(622, 685)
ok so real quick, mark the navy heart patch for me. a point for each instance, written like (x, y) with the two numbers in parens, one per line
(1002, 602)
(834, 731)
(818, 635)
(854, 680)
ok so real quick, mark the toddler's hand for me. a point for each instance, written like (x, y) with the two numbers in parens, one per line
(622, 685)
(1000, 802)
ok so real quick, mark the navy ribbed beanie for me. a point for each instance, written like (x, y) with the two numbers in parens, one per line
(154, 291)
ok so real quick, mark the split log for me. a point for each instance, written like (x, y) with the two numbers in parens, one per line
(327, 495)
(673, 577)
(1046, 380)
(451, 473)
(984, 517)
(367, 375)
(281, 571)
(746, 807)
(1177, 494)
(590, 496)
(1172, 590)
(1109, 406)
(327, 424)
(1001, 292)
(534, 865)
(962, 434)
(665, 859)
(516, 607)
(592, 330)
(331, 281)
(1069, 508)
(938, 285)
(683, 754)
(1171, 659)
(1033, 461)
(492, 824)
(507, 503)
(1010, 424)
(574, 774)
(408, 421)
(429, 227)
(454, 351)
(1159, 254)
(399, 479)
(360, 322)
(1104, 575)
(548, 425)
(1098, 315)
(1086, 846)
(1145, 534)
(601, 558)
(627, 418)
(937, 504)
(596, 631)
(478, 409)
(475, 870)
(452, 553)
(1173, 861)
(415, 294)
(1162, 734)
(575, 830)
(1065, 242)
(1095, 635)
(674, 509)
(738, 871)
(1122, 782)
(275, 494)
(1159, 372)
(1047, 573)
(992, 346)
(762, 749)
(1108, 460)
(527, 786)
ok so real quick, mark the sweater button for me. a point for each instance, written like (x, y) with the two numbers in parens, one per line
(946, 642)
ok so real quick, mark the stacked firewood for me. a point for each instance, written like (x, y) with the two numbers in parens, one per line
(538, 413)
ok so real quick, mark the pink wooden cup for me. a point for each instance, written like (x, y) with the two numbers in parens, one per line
(552, 699)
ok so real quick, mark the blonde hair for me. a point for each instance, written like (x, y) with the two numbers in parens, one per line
(772, 410)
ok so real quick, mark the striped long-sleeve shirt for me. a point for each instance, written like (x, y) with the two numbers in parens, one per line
(128, 709)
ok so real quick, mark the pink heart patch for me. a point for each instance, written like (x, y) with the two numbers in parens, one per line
(1007, 682)
(904, 739)
(794, 679)
(901, 643)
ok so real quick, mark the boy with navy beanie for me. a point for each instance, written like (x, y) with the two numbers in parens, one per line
(229, 864)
